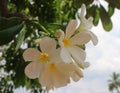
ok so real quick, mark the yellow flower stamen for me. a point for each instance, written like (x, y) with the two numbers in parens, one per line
(44, 57)
(66, 42)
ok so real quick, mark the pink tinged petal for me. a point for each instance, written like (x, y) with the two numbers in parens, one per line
(47, 45)
(31, 54)
(34, 70)
(78, 54)
(80, 38)
(65, 55)
(71, 28)
(93, 37)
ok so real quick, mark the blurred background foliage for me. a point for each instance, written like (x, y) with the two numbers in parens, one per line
(23, 21)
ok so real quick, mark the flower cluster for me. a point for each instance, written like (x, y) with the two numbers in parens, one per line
(55, 66)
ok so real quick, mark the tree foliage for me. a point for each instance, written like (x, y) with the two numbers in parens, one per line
(114, 82)
(23, 21)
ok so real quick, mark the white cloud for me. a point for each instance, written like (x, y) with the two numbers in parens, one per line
(105, 56)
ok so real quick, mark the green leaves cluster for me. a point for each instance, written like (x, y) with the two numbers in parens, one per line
(114, 82)
(100, 13)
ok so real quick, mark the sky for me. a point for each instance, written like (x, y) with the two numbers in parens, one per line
(104, 59)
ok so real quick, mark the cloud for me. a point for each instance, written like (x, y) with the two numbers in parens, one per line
(83, 86)
(106, 55)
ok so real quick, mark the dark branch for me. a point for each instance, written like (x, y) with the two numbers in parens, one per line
(3, 8)
(4, 12)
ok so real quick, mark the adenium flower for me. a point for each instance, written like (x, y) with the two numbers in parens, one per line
(48, 67)
(70, 42)
(85, 24)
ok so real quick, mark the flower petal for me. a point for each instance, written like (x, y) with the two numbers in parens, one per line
(78, 54)
(82, 11)
(89, 23)
(71, 70)
(46, 79)
(93, 37)
(31, 54)
(55, 56)
(52, 77)
(65, 55)
(85, 23)
(60, 79)
(61, 41)
(67, 68)
(86, 64)
(80, 38)
(34, 70)
(59, 33)
(47, 45)
(71, 28)
(77, 74)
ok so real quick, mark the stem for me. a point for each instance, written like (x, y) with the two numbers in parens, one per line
(3, 8)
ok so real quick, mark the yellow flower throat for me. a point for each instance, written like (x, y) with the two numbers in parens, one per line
(66, 42)
(44, 57)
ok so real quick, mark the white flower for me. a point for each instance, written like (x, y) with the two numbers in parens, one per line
(48, 66)
(58, 74)
(69, 44)
(86, 24)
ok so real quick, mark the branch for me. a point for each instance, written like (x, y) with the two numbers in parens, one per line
(3, 8)
(5, 12)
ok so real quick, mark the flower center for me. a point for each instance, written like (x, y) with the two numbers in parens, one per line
(44, 57)
(66, 42)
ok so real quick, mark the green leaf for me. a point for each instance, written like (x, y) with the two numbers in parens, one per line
(96, 16)
(117, 3)
(110, 10)
(94, 12)
(105, 18)
(20, 38)
(9, 28)
(114, 3)
(6, 23)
